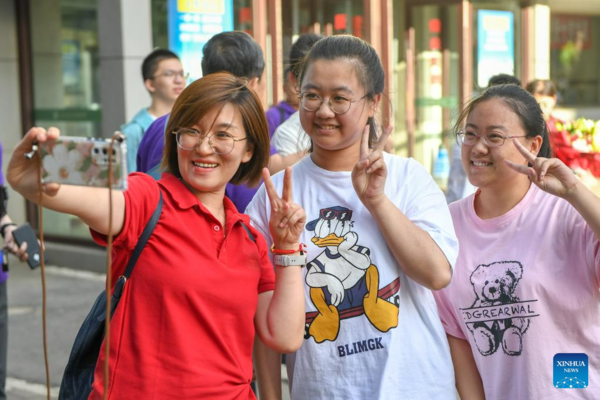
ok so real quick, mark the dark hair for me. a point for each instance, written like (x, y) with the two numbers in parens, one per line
(367, 66)
(542, 87)
(298, 51)
(150, 64)
(234, 52)
(217, 90)
(522, 104)
(504, 79)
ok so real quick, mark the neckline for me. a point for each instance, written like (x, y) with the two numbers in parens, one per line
(507, 217)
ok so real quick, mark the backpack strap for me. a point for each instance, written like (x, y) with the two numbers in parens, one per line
(148, 229)
(250, 236)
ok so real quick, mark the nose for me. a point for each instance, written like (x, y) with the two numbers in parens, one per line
(325, 111)
(204, 146)
(480, 147)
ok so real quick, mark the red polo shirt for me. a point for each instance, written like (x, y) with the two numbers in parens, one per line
(184, 328)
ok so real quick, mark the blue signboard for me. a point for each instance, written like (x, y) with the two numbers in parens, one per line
(191, 24)
(495, 44)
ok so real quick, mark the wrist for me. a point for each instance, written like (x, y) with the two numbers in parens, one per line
(4, 228)
(374, 203)
(287, 248)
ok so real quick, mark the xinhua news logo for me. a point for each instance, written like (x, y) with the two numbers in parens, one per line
(571, 371)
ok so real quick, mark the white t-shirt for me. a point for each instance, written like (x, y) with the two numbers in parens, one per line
(404, 352)
(526, 287)
(289, 137)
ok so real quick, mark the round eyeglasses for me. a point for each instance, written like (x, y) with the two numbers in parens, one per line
(469, 138)
(219, 142)
(338, 104)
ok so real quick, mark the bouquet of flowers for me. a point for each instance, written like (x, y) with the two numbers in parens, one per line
(585, 134)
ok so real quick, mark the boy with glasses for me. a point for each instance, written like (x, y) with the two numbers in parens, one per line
(164, 79)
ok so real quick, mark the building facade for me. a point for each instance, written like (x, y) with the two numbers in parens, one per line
(75, 64)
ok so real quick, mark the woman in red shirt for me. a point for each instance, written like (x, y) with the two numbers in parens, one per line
(201, 287)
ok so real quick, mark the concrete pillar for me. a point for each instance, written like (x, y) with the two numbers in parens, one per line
(538, 62)
(125, 38)
(10, 110)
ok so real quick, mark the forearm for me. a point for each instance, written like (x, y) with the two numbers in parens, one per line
(468, 380)
(267, 365)
(417, 253)
(588, 205)
(285, 317)
(278, 163)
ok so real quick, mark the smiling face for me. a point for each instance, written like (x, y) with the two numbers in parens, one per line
(485, 165)
(334, 134)
(201, 169)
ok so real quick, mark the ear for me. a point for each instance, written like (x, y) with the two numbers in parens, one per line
(149, 83)
(374, 104)
(253, 83)
(535, 144)
(249, 153)
(292, 79)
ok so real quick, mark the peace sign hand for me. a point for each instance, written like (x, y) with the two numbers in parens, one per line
(287, 218)
(549, 174)
(370, 173)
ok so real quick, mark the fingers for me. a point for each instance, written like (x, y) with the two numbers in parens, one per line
(364, 143)
(523, 169)
(294, 214)
(271, 190)
(286, 195)
(384, 138)
(22, 252)
(524, 152)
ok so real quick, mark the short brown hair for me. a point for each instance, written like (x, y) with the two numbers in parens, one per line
(217, 90)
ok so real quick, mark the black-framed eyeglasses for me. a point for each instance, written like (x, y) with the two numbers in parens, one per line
(220, 142)
(171, 74)
(338, 104)
(469, 138)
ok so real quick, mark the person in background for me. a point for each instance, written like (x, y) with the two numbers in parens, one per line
(239, 54)
(278, 114)
(380, 239)
(164, 79)
(7, 226)
(459, 186)
(526, 284)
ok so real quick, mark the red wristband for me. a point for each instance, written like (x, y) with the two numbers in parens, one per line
(300, 249)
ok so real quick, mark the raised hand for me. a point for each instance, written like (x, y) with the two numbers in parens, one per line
(549, 174)
(22, 173)
(370, 173)
(287, 218)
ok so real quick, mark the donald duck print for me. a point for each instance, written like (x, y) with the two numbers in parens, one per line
(343, 281)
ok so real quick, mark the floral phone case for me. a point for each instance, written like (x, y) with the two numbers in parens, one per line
(83, 161)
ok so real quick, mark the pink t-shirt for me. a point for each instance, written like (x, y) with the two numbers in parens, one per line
(525, 287)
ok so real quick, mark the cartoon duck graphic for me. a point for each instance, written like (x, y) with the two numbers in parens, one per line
(342, 277)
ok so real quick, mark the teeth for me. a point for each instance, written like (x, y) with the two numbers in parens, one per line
(203, 165)
(481, 164)
(327, 127)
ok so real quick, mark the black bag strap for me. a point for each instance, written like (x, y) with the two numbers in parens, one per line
(250, 235)
(148, 229)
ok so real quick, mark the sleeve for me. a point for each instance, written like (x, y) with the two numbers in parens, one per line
(426, 207)
(582, 239)
(447, 316)
(141, 199)
(267, 273)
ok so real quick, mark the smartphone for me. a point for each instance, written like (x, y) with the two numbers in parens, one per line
(83, 161)
(25, 233)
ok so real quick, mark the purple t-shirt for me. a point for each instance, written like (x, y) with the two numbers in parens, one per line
(3, 275)
(278, 113)
(150, 155)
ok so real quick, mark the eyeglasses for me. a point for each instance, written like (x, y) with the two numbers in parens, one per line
(172, 74)
(219, 142)
(338, 104)
(469, 138)
(342, 215)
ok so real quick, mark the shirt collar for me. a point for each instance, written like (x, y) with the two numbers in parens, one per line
(185, 199)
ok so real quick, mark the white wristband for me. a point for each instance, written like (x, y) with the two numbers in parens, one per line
(287, 260)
